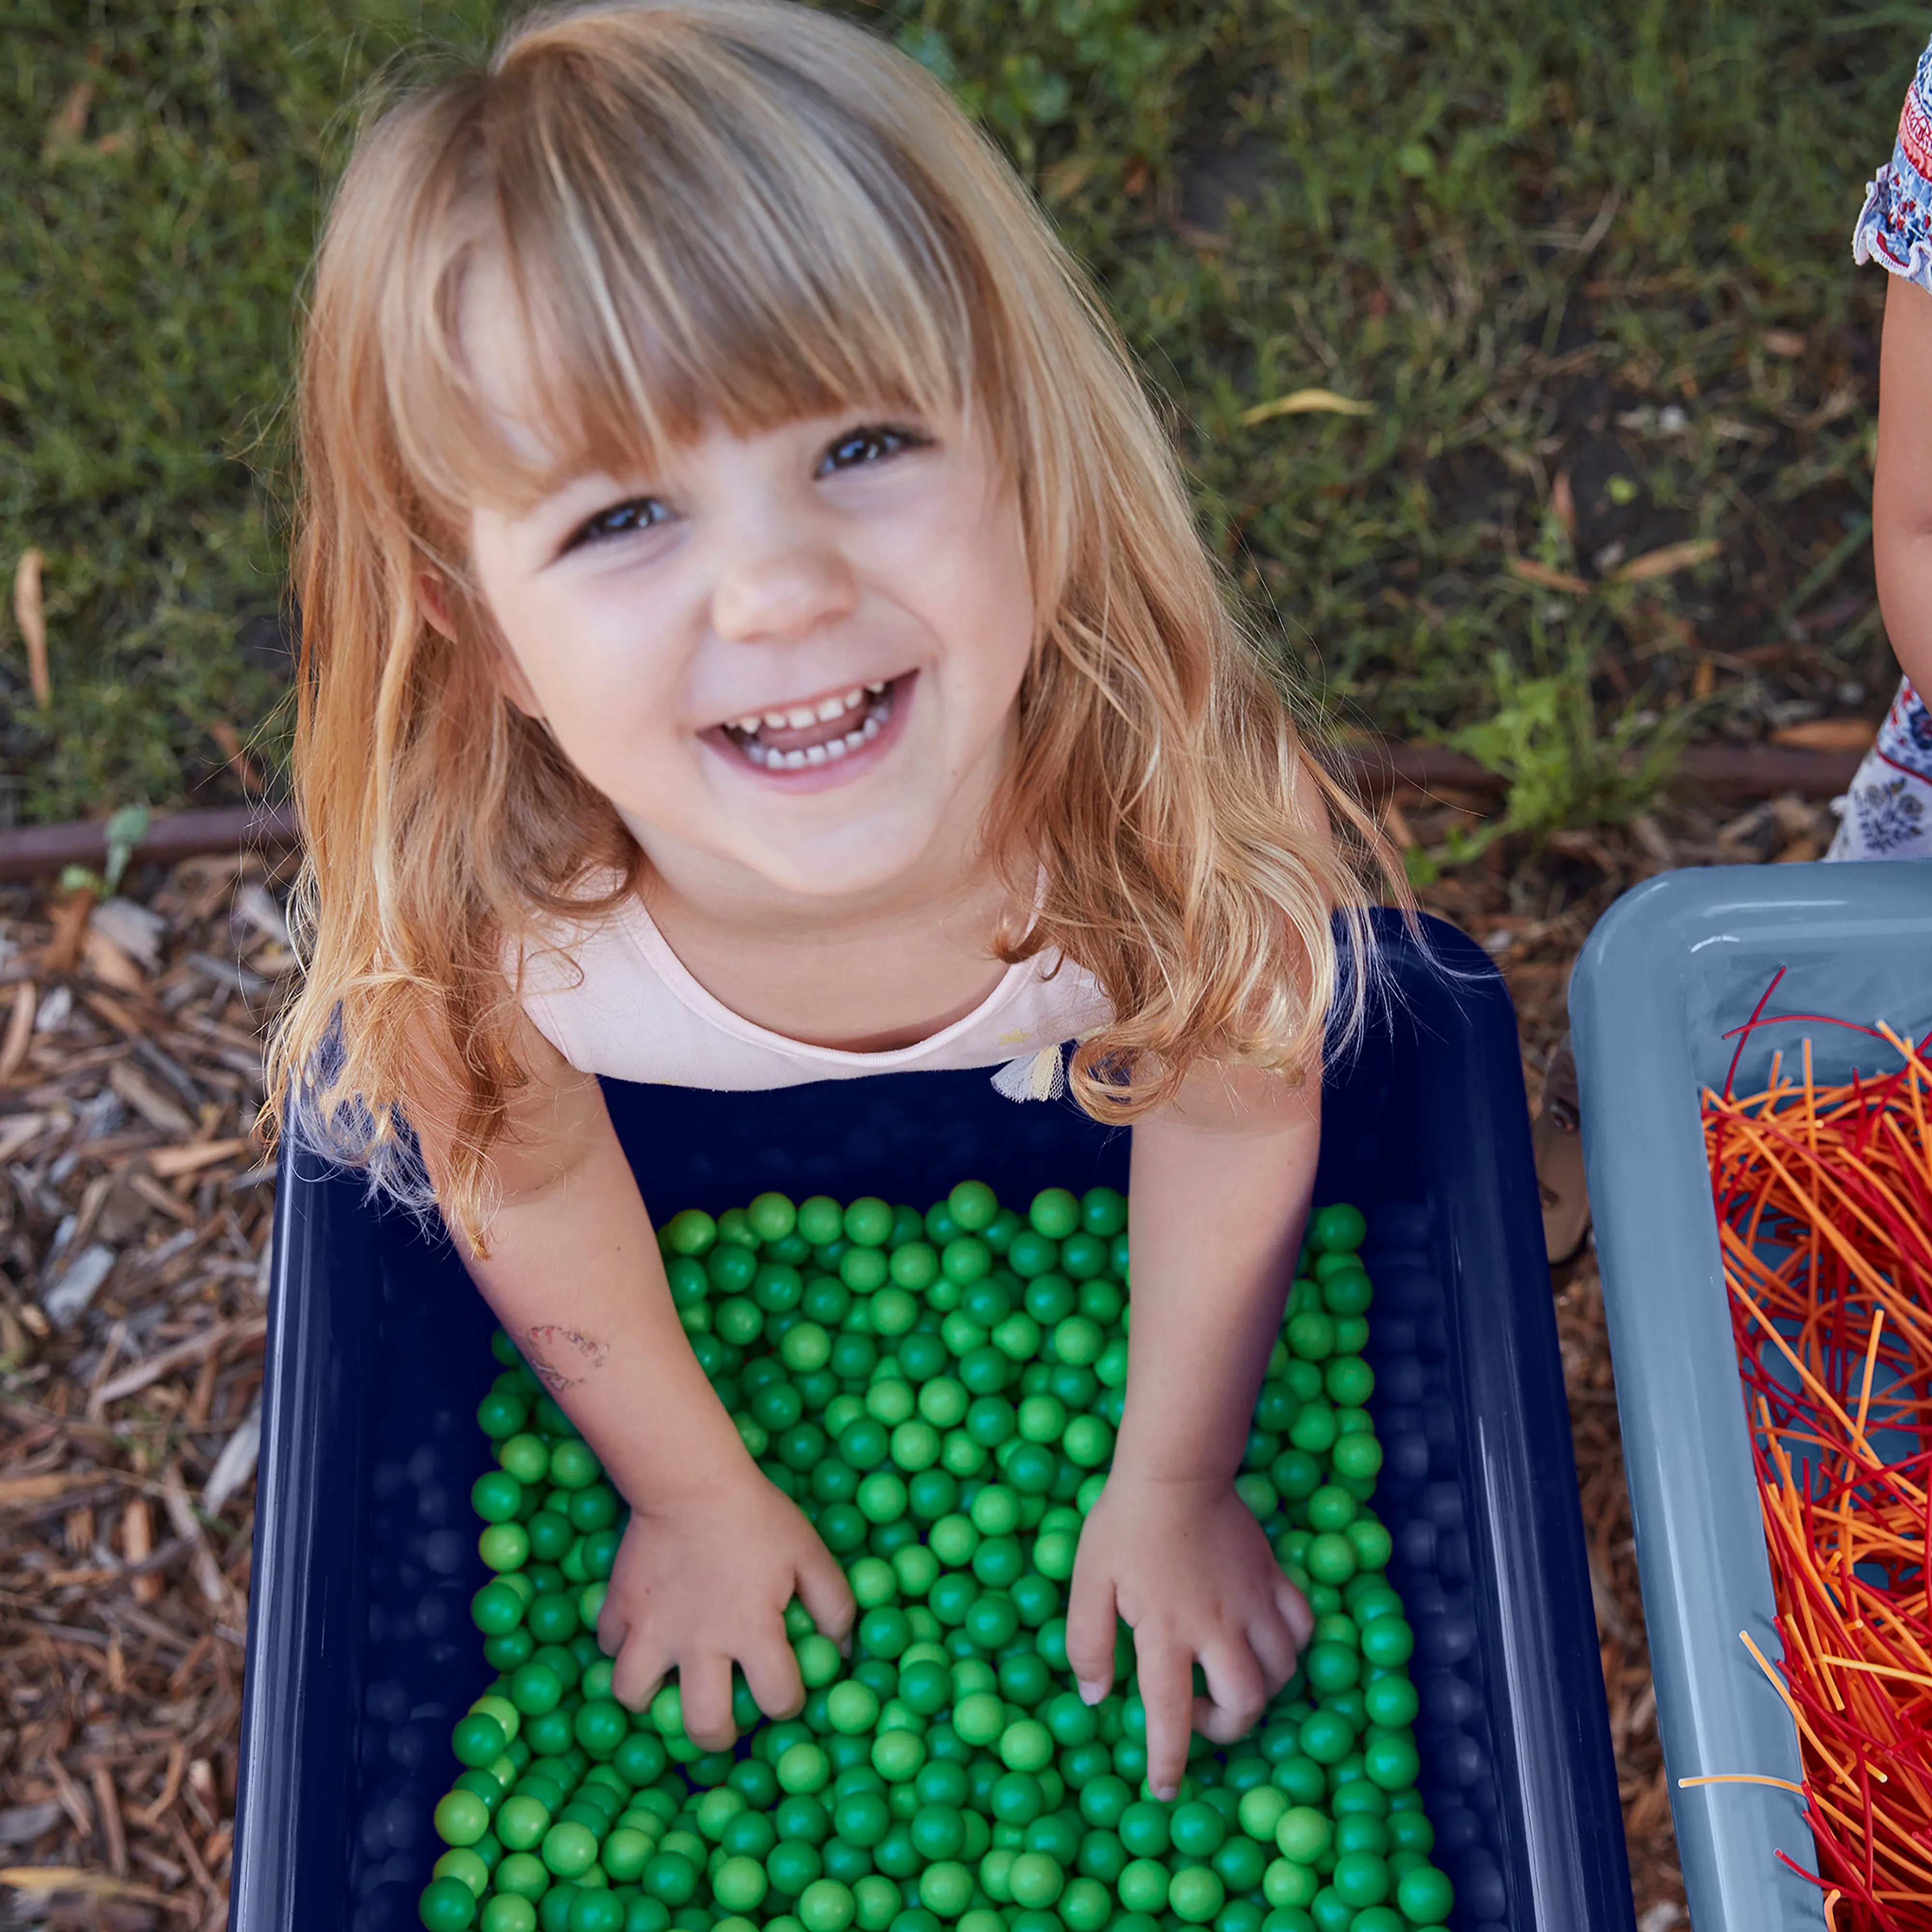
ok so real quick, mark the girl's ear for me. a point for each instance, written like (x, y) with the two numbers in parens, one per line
(434, 593)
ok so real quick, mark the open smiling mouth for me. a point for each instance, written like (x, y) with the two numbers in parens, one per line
(806, 735)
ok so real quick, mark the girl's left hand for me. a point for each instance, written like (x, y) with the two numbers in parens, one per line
(1185, 1564)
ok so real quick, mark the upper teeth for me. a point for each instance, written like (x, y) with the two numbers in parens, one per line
(830, 752)
(796, 717)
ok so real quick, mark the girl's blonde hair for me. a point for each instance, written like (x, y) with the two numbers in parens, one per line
(746, 211)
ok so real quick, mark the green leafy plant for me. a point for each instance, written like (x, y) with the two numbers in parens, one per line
(124, 830)
(1563, 769)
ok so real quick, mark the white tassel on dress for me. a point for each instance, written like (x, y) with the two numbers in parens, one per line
(1033, 1076)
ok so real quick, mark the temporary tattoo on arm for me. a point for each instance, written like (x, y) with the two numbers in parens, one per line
(550, 1344)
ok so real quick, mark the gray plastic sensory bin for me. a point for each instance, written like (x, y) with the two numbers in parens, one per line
(1675, 967)
(365, 1654)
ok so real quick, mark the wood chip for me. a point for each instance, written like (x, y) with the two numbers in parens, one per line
(158, 1109)
(242, 1329)
(19, 1030)
(44, 1881)
(225, 973)
(137, 1545)
(181, 1513)
(1668, 561)
(235, 1465)
(157, 1196)
(18, 1490)
(170, 1163)
(1828, 734)
(135, 930)
(113, 1833)
(63, 947)
(108, 964)
(73, 1800)
(151, 1815)
(1548, 576)
(78, 1282)
(29, 609)
(21, 1824)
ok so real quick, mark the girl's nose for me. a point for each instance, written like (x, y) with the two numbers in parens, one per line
(782, 595)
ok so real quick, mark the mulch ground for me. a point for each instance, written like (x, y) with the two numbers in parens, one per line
(134, 1219)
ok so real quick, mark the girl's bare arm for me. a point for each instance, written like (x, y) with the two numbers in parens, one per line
(1221, 1187)
(714, 1551)
(1902, 482)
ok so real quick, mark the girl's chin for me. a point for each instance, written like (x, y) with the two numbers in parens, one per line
(854, 867)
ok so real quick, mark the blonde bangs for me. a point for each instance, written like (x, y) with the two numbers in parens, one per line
(695, 229)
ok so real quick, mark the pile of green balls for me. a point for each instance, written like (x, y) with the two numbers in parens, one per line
(939, 1393)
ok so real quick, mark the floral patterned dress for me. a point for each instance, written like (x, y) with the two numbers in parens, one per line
(1887, 812)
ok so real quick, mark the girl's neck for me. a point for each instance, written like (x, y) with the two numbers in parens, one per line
(863, 974)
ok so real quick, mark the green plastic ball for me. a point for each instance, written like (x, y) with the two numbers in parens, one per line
(1195, 1894)
(1425, 1895)
(478, 1739)
(447, 1905)
(1055, 1213)
(1035, 1880)
(804, 1768)
(739, 1885)
(462, 1818)
(1391, 1761)
(1026, 1746)
(1197, 1830)
(1360, 1879)
(669, 1877)
(1337, 1228)
(569, 1850)
(1387, 1643)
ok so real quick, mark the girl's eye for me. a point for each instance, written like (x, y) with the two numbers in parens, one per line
(640, 513)
(870, 443)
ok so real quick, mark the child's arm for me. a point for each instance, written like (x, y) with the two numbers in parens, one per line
(1221, 1184)
(714, 1551)
(1902, 483)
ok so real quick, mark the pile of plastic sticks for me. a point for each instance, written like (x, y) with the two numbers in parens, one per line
(1824, 1204)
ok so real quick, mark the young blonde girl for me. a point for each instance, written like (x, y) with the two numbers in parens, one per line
(753, 633)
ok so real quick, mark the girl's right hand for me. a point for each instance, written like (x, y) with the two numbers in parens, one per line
(700, 1583)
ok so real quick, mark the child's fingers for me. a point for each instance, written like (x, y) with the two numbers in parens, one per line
(639, 1670)
(613, 1626)
(1236, 1691)
(704, 1684)
(771, 1674)
(1275, 1648)
(1166, 1677)
(824, 1590)
(1090, 1616)
(1294, 1608)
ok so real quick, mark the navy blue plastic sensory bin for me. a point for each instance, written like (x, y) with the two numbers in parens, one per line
(360, 1653)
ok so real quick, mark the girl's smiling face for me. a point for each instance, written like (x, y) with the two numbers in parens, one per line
(790, 658)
